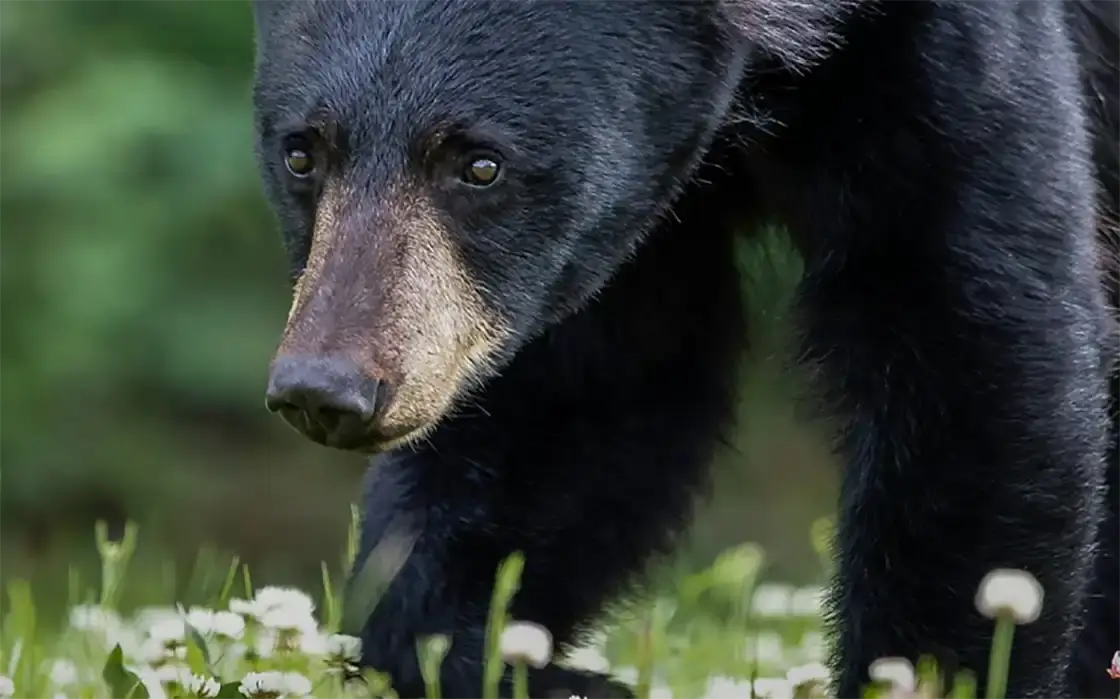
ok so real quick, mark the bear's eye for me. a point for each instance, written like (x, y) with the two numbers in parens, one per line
(299, 162)
(481, 171)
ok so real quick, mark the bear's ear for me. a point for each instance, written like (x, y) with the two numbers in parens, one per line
(796, 32)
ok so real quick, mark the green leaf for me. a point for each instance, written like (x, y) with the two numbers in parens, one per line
(227, 586)
(229, 690)
(122, 682)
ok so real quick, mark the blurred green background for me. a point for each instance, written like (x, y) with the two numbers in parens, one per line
(143, 289)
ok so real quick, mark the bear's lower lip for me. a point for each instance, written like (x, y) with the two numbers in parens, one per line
(390, 442)
(368, 440)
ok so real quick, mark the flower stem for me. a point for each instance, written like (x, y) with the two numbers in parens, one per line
(520, 680)
(1000, 658)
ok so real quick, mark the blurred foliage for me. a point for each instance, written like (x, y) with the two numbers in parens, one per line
(143, 289)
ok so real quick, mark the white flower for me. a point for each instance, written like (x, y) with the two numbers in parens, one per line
(771, 600)
(275, 684)
(660, 692)
(288, 619)
(526, 642)
(287, 598)
(806, 601)
(91, 617)
(152, 681)
(201, 686)
(201, 620)
(243, 608)
(312, 642)
(63, 673)
(229, 625)
(726, 687)
(897, 672)
(1015, 592)
(170, 632)
(589, 659)
(343, 648)
(154, 651)
(7, 687)
(767, 648)
(812, 645)
(809, 674)
(772, 688)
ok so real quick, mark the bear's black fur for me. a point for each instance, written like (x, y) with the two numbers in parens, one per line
(552, 358)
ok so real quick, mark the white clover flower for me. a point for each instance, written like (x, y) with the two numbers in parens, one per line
(526, 642)
(767, 648)
(63, 673)
(806, 601)
(808, 677)
(812, 645)
(772, 688)
(170, 632)
(771, 600)
(288, 619)
(156, 652)
(274, 685)
(288, 598)
(726, 687)
(242, 607)
(201, 686)
(1015, 592)
(7, 687)
(228, 625)
(343, 648)
(897, 672)
(151, 680)
(91, 617)
(312, 642)
(201, 620)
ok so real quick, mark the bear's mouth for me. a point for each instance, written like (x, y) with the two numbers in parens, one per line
(328, 428)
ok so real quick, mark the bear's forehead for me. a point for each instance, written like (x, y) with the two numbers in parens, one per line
(385, 69)
(407, 39)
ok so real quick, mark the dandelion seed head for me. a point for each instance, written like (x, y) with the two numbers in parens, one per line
(7, 687)
(896, 672)
(526, 642)
(1015, 592)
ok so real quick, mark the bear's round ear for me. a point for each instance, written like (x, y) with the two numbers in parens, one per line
(795, 32)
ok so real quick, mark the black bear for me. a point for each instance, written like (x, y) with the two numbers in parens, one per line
(511, 227)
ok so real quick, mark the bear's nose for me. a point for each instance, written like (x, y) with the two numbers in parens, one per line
(329, 399)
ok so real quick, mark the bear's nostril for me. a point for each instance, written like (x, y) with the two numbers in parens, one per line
(326, 398)
(329, 418)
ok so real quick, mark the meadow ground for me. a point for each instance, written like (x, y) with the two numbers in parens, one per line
(721, 632)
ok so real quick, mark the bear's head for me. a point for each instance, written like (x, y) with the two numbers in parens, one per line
(453, 176)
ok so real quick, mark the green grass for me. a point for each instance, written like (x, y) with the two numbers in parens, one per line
(718, 632)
